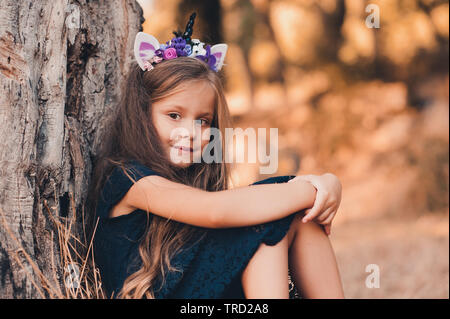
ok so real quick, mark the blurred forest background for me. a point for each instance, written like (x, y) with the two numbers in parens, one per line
(370, 105)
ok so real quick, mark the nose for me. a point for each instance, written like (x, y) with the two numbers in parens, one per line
(188, 129)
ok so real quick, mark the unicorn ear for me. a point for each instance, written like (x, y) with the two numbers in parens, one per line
(145, 46)
(219, 51)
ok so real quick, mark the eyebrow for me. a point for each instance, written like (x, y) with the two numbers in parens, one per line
(180, 107)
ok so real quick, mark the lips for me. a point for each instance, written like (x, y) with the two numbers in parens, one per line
(184, 148)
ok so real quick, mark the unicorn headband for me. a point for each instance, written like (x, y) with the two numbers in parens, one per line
(148, 51)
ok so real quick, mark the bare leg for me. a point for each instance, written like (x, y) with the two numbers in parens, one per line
(312, 261)
(308, 252)
(266, 275)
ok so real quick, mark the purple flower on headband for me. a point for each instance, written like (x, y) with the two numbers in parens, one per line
(188, 49)
(181, 52)
(179, 44)
(170, 53)
(208, 58)
(159, 53)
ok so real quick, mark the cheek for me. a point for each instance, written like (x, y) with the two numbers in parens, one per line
(204, 143)
(155, 121)
(205, 137)
(162, 129)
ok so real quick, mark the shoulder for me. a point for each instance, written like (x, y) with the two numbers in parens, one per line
(132, 170)
(128, 174)
(119, 182)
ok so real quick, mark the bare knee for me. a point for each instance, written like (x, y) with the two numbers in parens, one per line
(267, 253)
(297, 227)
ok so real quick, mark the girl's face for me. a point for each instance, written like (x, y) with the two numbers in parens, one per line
(181, 120)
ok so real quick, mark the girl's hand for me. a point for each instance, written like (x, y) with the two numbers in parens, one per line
(328, 198)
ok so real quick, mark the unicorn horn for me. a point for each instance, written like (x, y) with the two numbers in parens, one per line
(188, 32)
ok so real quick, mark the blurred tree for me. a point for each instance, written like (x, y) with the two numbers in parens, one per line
(208, 23)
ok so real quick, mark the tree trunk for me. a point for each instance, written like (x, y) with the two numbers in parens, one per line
(61, 68)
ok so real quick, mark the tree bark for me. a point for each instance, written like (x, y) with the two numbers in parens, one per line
(61, 68)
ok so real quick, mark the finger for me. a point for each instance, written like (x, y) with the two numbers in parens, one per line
(330, 218)
(324, 214)
(331, 207)
(328, 229)
(317, 208)
(302, 213)
(314, 212)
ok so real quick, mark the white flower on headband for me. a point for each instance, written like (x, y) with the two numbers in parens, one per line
(197, 48)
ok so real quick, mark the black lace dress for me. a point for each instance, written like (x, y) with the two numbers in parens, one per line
(211, 265)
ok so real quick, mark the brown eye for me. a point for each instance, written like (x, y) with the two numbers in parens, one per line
(175, 114)
(206, 122)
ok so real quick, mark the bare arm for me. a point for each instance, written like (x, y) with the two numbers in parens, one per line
(261, 203)
(243, 206)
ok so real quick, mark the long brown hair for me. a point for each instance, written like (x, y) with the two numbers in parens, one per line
(132, 136)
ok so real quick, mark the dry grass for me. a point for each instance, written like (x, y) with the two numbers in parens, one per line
(81, 279)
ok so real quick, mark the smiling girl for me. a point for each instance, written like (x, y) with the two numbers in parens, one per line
(170, 229)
